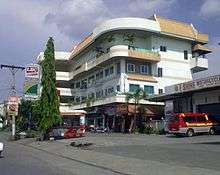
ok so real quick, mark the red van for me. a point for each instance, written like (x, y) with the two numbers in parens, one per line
(191, 123)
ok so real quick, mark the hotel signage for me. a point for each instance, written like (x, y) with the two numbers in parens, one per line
(198, 84)
(32, 71)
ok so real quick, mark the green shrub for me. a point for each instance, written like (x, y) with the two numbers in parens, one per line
(148, 130)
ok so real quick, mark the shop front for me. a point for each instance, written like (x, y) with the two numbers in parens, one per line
(201, 95)
(117, 117)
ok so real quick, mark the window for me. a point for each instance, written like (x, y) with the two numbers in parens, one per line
(160, 72)
(118, 68)
(189, 119)
(106, 72)
(99, 94)
(201, 119)
(149, 89)
(163, 48)
(84, 84)
(73, 85)
(78, 84)
(101, 74)
(77, 99)
(118, 88)
(206, 99)
(97, 76)
(133, 87)
(185, 55)
(83, 99)
(111, 70)
(144, 69)
(160, 91)
(110, 90)
(130, 67)
(91, 79)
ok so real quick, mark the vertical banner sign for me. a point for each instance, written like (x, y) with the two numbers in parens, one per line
(13, 105)
(32, 81)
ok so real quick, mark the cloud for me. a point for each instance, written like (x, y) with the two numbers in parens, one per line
(77, 18)
(210, 9)
(74, 18)
(149, 7)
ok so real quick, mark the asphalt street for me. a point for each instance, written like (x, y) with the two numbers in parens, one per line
(113, 154)
(22, 160)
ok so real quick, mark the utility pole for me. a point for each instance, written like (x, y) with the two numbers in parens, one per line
(13, 69)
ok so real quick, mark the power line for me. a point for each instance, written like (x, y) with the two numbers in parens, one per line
(13, 69)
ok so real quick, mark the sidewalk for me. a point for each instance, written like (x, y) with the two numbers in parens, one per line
(114, 163)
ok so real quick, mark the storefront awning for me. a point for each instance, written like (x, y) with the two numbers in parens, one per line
(73, 113)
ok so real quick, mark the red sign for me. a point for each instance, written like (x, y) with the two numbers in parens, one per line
(32, 71)
(13, 105)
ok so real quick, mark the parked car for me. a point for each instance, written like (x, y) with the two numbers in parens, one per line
(191, 123)
(66, 132)
(1, 148)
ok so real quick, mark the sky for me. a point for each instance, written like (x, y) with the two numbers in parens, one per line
(25, 26)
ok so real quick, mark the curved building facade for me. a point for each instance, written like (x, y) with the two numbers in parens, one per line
(124, 54)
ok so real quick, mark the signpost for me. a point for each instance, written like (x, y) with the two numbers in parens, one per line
(13, 99)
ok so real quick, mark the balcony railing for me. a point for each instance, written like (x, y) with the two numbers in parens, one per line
(125, 51)
(143, 53)
(64, 76)
(66, 91)
(199, 64)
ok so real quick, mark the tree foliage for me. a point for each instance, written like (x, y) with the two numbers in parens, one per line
(49, 103)
(136, 96)
(27, 116)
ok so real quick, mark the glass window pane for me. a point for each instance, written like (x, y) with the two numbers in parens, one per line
(149, 89)
(133, 87)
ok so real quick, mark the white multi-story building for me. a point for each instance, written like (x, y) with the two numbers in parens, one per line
(124, 54)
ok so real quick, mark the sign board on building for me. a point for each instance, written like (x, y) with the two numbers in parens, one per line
(32, 71)
(12, 105)
(194, 85)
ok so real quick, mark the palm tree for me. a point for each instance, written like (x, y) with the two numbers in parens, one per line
(136, 96)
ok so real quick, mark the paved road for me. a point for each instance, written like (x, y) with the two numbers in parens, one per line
(22, 160)
(200, 151)
(114, 154)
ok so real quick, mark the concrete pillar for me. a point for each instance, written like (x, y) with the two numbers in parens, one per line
(13, 127)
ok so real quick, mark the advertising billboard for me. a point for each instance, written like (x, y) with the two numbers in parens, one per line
(12, 107)
(32, 71)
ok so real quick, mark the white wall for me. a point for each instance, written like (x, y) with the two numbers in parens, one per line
(175, 68)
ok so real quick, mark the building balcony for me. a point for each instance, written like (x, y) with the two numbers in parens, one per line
(199, 64)
(125, 51)
(119, 98)
(144, 54)
(138, 77)
(66, 91)
(62, 76)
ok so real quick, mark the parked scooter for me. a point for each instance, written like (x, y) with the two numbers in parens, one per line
(1, 148)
